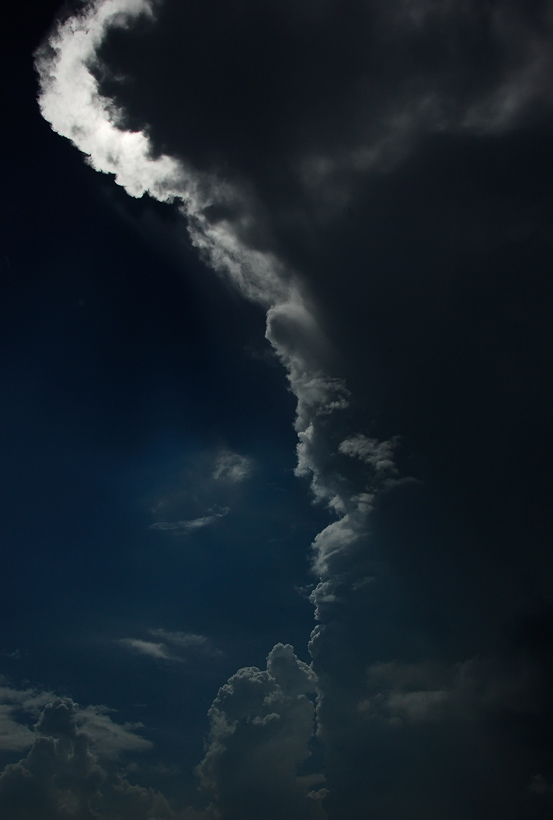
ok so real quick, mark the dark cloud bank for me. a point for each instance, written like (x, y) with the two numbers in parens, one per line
(395, 158)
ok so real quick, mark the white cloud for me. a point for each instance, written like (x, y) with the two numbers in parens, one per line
(172, 646)
(152, 649)
(187, 642)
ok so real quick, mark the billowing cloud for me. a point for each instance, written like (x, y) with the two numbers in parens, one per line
(378, 454)
(261, 731)
(70, 769)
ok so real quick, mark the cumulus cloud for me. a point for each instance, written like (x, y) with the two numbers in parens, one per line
(262, 724)
(21, 708)
(69, 770)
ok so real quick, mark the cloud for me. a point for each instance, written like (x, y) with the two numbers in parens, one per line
(261, 730)
(111, 739)
(187, 642)
(232, 467)
(224, 218)
(307, 183)
(433, 692)
(172, 646)
(18, 708)
(69, 770)
(378, 454)
(152, 649)
(190, 525)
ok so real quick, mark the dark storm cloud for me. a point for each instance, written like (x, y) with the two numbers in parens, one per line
(447, 739)
(378, 176)
(253, 81)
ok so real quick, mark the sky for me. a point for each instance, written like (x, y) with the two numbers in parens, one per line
(276, 372)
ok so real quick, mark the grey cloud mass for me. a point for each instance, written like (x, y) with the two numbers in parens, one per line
(349, 168)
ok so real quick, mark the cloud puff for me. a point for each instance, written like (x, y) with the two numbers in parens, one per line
(190, 525)
(378, 454)
(232, 467)
(261, 730)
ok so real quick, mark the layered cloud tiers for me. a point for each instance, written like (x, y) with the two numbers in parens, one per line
(376, 176)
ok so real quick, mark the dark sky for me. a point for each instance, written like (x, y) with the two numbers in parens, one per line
(277, 451)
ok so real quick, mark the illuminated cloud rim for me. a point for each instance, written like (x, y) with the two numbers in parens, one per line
(70, 101)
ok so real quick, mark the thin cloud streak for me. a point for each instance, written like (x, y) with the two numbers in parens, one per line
(189, 525)
(152, 649)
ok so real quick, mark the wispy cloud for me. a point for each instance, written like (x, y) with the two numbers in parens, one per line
(188, 641)
(232, 467)
(190, 524)
(152, 649)
(21, 708)
(172, 646)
